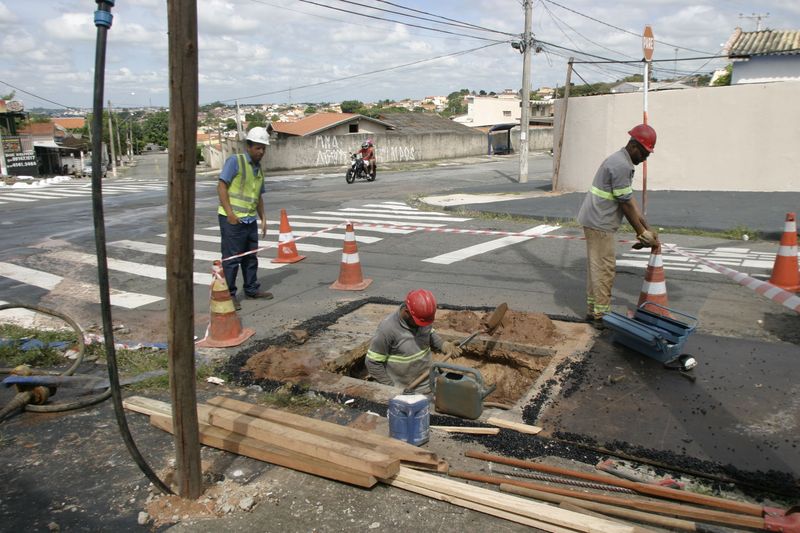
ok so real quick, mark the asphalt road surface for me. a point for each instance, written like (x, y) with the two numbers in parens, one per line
(47, 251)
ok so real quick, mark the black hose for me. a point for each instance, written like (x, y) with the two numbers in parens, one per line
(66, 406)
(102, 20)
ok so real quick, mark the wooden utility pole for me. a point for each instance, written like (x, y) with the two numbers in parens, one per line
(524, 121)
(111, 142)
(183, 94)
(557, 165)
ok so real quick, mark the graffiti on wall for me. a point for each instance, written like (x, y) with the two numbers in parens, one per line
(328, 151)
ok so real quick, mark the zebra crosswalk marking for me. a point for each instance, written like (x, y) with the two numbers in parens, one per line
(199, 255)
(49, 282)
(368, 221)
(408, 218)
(478, 249)
(366, 239)
(398, 212)
(29, 276)
(301, 247)
(17, 198)
(129, 267)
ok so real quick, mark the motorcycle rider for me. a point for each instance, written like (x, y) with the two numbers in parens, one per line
(367, 152)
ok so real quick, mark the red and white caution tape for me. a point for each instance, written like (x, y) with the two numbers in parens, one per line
(274, 244)
(768, 290)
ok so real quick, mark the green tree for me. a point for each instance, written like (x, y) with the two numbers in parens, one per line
(455, 103)
(230, 124)
(38, 118)
(155, 128)
(274, 118)
(352, 106)
(256, 119)
(310, 110)
(725, 79)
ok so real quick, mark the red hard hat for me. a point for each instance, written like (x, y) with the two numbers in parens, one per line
(422, 306)
(645, 135)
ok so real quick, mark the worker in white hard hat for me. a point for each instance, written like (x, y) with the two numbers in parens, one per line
(241, 206)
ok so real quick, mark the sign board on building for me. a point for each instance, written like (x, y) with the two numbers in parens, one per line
(648, 43)
(19, 161)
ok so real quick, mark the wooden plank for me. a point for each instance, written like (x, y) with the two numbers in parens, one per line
(642, 504)
(507, 424)
(641, 488)
(630, 514)
(350, 456)
(521, 506)
(477, 507)
(468, 430)
(403, 450)
(239, 444)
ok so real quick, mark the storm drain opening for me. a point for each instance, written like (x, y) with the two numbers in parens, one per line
(514, 358)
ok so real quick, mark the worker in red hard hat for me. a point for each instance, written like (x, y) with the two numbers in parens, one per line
(400, 351)
(609, 198)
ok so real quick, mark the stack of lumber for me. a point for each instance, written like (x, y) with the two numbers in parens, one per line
(306, 444)
(513, 508)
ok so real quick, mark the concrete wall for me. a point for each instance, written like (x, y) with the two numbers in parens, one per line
(736, 138)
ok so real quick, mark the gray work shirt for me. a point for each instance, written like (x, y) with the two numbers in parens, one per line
(601, 208)
(406, 353)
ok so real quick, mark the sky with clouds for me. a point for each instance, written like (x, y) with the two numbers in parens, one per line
(260, 51)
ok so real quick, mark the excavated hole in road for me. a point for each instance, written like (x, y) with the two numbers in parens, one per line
(512, 358)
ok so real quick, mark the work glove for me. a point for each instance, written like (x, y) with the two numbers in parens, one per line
(451, 350)
(647, 239)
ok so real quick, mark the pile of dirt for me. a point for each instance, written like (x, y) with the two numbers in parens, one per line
(528, 328)
(218, 500)
(284, 364)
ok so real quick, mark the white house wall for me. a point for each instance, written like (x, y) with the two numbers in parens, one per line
(766, 69)
(736, 138)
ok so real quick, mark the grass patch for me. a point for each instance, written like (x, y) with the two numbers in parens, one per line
(11, 355)
(130, 363)
(283, 398)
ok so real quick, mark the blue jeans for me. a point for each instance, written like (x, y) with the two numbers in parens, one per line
(236, 239)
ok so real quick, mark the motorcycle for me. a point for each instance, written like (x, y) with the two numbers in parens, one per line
(357, 169)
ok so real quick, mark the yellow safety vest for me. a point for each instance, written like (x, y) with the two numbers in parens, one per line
(245, 190)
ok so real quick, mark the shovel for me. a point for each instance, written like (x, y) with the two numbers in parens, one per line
(489, 327)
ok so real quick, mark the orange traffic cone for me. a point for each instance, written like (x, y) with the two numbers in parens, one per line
(654, 288)
(350, 278)
(224, 328)
(785, 273)
(287, 249)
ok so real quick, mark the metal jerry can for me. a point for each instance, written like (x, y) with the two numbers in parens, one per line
(458, 390)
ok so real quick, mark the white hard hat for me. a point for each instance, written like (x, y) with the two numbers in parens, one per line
(258, 135)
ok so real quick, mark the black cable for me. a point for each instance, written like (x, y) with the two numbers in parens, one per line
(445, 18)
(621, 29)
(399, 22)
(37, 96)
(351, 76)
(103, 22)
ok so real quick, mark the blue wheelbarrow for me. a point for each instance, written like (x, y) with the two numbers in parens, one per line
(658, 337)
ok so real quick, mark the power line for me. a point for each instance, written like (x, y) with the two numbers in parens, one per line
(401, 22)
(446, 18)
(621, 29)
(39, 97)
(395, 67)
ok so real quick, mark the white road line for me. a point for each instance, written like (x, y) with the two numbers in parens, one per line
(47, 281)
(69, 192)
(393, 206)
(301, 247)
(138, 269)
(199, 255)
(29, 276)
(22, 317)
(406, 218)
(370, 221)
(396, 212)
(16, 197)
(478, 249)
(301, 224)
(366, 239)
(750, 263)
